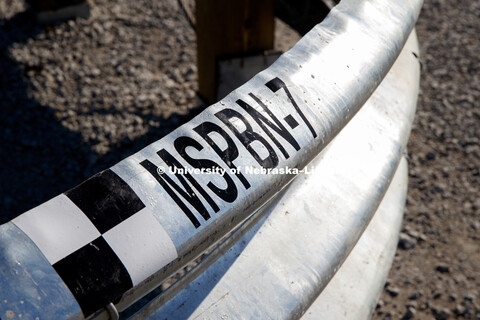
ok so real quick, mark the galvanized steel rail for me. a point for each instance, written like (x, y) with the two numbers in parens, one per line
(121, 233)
(277, 265)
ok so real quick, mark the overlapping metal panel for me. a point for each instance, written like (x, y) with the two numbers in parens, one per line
(128, 228)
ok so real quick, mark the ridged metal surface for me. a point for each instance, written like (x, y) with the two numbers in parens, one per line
(279, 262)
(313, 90)
(29, 287)
(354, 290)
(330, 73)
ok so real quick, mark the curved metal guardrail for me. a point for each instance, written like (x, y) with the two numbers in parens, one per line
(121, 233)
(279, 262)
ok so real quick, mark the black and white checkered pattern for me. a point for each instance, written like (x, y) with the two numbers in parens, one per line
(101, 239)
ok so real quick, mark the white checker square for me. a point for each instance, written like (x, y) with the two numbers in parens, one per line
(142, 245)
(58, 228)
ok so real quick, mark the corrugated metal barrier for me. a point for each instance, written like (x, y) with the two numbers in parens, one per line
(277, 161)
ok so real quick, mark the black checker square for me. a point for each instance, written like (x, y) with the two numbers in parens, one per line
(95, 276)
(106, 199)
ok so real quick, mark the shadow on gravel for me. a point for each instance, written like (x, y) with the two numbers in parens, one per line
(39, 157)
(35, 165)
(127, 147)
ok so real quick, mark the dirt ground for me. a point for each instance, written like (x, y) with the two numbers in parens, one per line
(77, 97)
(436, 272)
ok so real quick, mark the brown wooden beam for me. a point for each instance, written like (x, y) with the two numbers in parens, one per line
(230, 28)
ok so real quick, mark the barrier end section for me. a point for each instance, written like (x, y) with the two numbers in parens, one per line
(30, 287)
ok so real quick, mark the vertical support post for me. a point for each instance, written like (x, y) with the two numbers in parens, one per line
(229, 28)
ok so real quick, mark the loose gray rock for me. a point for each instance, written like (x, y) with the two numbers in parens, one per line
(406, 242)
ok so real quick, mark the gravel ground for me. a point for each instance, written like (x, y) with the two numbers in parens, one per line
(79, 96)
(436, 272)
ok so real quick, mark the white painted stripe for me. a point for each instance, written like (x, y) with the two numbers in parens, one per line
(58, 228)
(142, 245)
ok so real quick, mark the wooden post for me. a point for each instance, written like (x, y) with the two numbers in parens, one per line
(230, 28)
